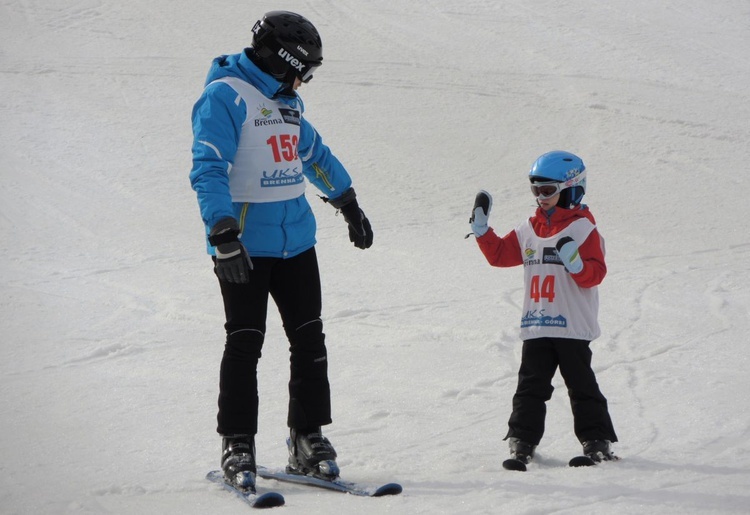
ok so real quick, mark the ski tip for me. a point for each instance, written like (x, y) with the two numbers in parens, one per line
(389, 489)
(517, 465)
(269, 500)
(217, 476)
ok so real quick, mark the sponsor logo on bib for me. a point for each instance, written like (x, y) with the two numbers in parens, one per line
(281, 177)
(289, 116)
(538, 318)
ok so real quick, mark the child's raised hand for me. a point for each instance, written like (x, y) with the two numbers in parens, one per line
(481, 213)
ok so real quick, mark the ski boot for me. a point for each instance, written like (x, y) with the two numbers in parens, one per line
(599, 450)
(520, 450)
(238, 460)
(311, 454)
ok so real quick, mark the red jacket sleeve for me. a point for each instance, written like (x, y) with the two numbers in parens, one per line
(501, 252)
(594, 267)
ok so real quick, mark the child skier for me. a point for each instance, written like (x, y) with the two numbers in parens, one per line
(563, 258)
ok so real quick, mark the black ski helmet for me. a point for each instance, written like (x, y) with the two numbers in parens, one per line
(287, 46)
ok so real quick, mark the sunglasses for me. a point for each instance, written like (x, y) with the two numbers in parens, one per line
(545, 190)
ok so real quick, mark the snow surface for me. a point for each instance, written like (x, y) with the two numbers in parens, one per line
(111, 317)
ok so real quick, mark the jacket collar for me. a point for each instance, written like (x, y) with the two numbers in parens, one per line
(562, 215)
(242, 66)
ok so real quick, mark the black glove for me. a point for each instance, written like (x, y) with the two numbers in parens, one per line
(232, 263)
(360, 230)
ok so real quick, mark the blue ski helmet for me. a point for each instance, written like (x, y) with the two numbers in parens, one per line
(565, 168)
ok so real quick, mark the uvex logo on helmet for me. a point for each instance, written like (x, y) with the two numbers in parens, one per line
(293, 61)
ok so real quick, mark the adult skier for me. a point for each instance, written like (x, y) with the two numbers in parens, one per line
(252, 151)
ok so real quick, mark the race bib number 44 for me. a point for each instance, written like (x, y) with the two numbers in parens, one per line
(542, 288)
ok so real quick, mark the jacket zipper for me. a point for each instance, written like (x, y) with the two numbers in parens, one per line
(243, 214)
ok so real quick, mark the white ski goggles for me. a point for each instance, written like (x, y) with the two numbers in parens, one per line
(545, 190)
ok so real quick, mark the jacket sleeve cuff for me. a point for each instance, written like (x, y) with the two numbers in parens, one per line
(345, 198)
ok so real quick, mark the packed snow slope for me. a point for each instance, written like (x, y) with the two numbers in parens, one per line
(111, 319)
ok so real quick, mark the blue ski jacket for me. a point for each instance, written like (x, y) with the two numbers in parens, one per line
(275, 228)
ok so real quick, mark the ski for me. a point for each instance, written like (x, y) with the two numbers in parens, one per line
(514, 464)
(587, 461)
(581, 461)
(337, 484)
(249, 495)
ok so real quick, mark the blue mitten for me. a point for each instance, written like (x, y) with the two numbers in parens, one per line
(481, 213)
(567, 249)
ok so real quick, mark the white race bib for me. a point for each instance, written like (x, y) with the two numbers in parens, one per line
(554, 305)
(266, 167)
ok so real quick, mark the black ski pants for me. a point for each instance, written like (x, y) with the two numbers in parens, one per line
(540, 359)
(294, 284)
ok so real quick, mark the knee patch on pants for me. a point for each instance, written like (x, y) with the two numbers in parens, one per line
(245, 344)
(307, 347)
